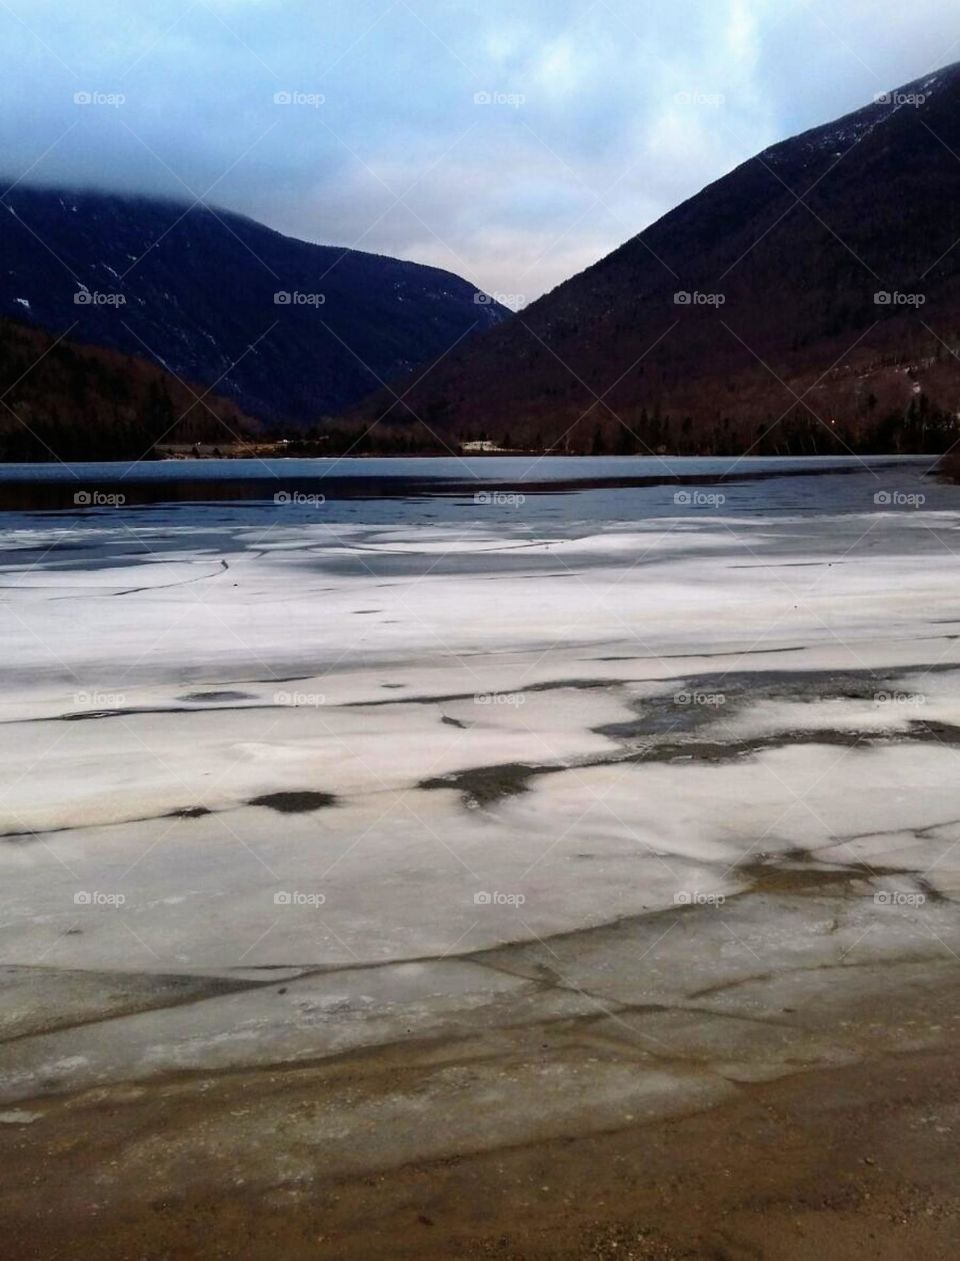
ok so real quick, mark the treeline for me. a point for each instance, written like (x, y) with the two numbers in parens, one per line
(338, 439)
(63, 401)
(922, 428)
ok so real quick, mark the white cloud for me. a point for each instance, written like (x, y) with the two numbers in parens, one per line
(533, 189)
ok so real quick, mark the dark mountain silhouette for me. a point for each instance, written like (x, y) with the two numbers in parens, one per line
(65, 401)
(781, 342)
(198, 288)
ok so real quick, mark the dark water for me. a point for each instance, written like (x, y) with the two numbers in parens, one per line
(622, 486)
(341, 514)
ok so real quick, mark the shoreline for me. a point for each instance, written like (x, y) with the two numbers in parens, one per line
(855, 1158)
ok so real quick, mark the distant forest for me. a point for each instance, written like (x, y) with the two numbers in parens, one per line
(60, 400)
(919, 428)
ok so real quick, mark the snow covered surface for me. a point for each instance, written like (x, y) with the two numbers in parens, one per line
(243, 746)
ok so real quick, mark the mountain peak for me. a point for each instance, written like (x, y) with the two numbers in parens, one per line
(289, 330)
(838, 136)
(803, 302)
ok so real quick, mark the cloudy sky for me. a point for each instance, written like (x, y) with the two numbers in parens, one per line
(511, 141)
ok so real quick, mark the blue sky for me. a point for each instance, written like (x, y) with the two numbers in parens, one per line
(511, 141)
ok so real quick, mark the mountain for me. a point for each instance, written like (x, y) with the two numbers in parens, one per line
(62, 400)
(808, 301)
(288, 330)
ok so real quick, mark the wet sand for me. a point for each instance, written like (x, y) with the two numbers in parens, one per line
(852, 1163)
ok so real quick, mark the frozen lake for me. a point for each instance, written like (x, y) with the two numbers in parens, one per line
(410, 755)
(459, 480)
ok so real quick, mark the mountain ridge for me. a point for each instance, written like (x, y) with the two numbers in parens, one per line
(196, 289)
(784, 261)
